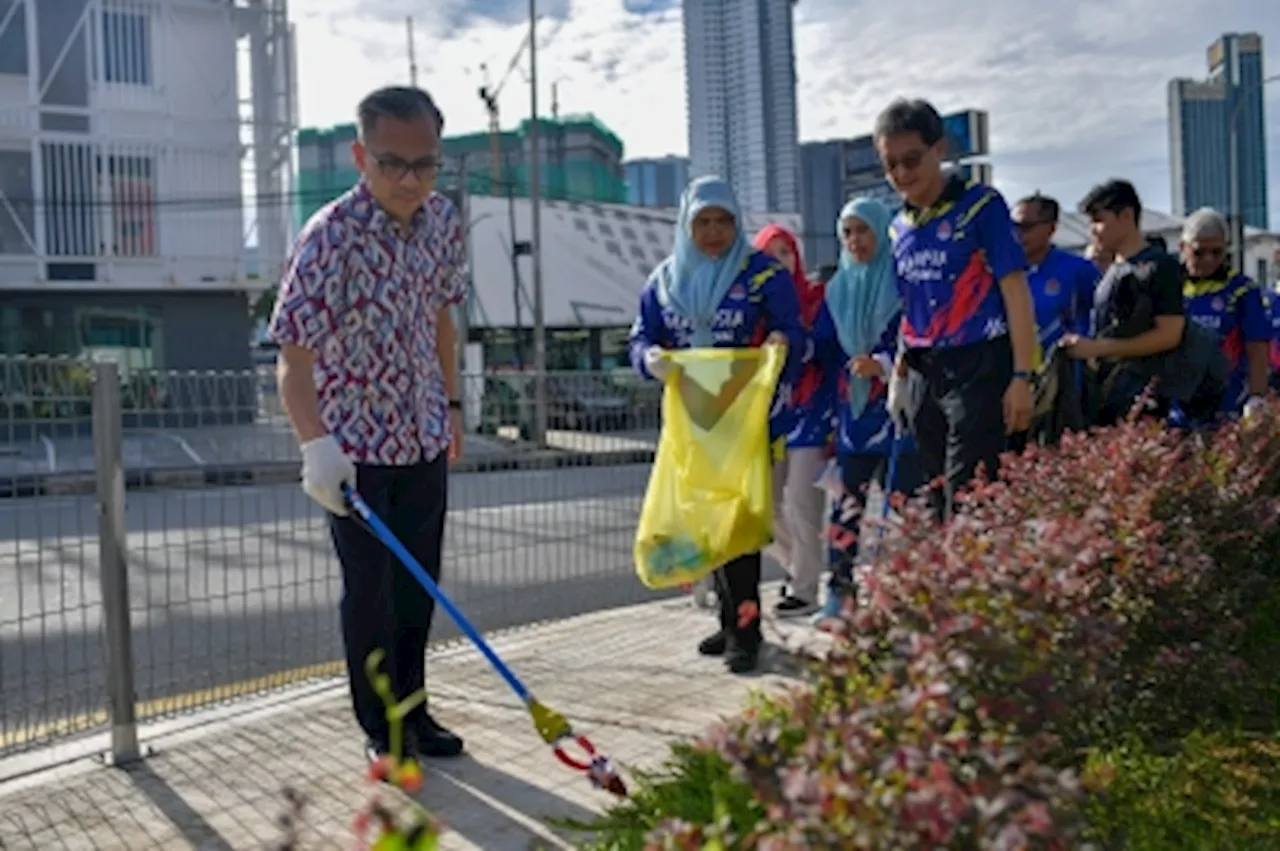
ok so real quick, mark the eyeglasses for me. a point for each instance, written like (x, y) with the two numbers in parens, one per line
(397, 168)
(910, 161)
(1201, 253)
(1031, 224)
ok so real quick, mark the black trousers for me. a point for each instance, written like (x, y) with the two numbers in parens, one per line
(383, 606)
(1114, 408)
(738, 582)
(961, 423)
(857, 472)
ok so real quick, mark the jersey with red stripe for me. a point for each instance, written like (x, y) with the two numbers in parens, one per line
(1274, 298)
(1232, 307)
(950, 258)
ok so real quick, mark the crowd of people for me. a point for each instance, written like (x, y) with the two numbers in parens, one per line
(931, 342)
(949, 334)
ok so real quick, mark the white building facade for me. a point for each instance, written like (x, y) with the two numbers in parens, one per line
(128, 137)
(740, 82)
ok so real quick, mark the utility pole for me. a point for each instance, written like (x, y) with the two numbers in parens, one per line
(517, 249)
(535, 205)
(464, 325)
(413, 54)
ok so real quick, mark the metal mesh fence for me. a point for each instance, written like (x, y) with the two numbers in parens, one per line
(231, 580)
(50, 604)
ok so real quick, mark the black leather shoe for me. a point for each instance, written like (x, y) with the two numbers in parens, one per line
(714, 645)
(434, 741)
(743, 658)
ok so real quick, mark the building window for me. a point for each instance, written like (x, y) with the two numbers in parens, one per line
(568, 350)
(132, 336)
(17, 206)
(129, 185)
(70, 213)
(614, 343)
(13, 37)
(126, 48)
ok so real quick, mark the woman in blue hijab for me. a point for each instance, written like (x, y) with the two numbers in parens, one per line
(715, 290)
(856, 332)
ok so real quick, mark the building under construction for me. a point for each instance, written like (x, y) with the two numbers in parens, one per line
(145, 187)
(581, 161)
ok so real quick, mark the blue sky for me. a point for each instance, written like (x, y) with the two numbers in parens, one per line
(1075, 89)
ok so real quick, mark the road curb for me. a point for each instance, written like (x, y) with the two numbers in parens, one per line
(282, 472)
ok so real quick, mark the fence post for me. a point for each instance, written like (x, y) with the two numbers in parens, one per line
(108, 450)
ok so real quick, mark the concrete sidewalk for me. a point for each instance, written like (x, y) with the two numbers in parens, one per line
(629, 678)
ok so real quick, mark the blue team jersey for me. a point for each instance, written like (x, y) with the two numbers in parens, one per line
(1062, 288)
(871, 432)
(1274, 299)
(1232, 306)
(950, 259)
(762, 300)
(814, 398)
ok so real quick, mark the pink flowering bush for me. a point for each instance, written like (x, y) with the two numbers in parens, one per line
(1121, 586)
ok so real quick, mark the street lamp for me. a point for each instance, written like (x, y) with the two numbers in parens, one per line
(1233, 159)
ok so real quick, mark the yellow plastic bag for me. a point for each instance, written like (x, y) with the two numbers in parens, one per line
(710, 494)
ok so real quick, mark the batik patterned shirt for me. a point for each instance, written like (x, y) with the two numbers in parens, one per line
(362, 293)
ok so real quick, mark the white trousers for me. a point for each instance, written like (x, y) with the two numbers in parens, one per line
(800, 508)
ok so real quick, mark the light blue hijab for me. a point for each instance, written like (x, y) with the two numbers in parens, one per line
(689, 282)
(863, 298)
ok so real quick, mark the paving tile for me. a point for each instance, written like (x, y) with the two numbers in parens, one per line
(628, 678)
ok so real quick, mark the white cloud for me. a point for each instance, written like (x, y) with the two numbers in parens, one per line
(1076, 92)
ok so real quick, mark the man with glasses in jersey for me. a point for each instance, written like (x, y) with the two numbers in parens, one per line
(968, 328)
(1230, 305)
(1062, 284)
(368, 375)
(1062, 287)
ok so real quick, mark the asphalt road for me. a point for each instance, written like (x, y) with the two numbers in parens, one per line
(250, 444)
(230, 584)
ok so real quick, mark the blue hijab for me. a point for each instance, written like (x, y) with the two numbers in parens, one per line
(689, 282)
(863, 297)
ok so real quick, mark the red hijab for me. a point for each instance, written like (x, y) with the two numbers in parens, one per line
(809, 292)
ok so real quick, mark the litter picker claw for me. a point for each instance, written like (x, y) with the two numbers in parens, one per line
(552, 727)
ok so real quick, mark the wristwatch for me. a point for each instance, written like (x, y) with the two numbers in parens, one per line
(1021, 373)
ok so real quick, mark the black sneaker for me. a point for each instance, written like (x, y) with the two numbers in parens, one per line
(434, 741)
(714, 645)
(794, 607)
(743, 657)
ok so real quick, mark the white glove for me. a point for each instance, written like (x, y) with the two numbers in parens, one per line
(657, 361)
(1253, 407)
(906, 393)
(325, 469)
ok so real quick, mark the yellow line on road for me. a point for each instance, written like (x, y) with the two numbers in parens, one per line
(163, 706)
